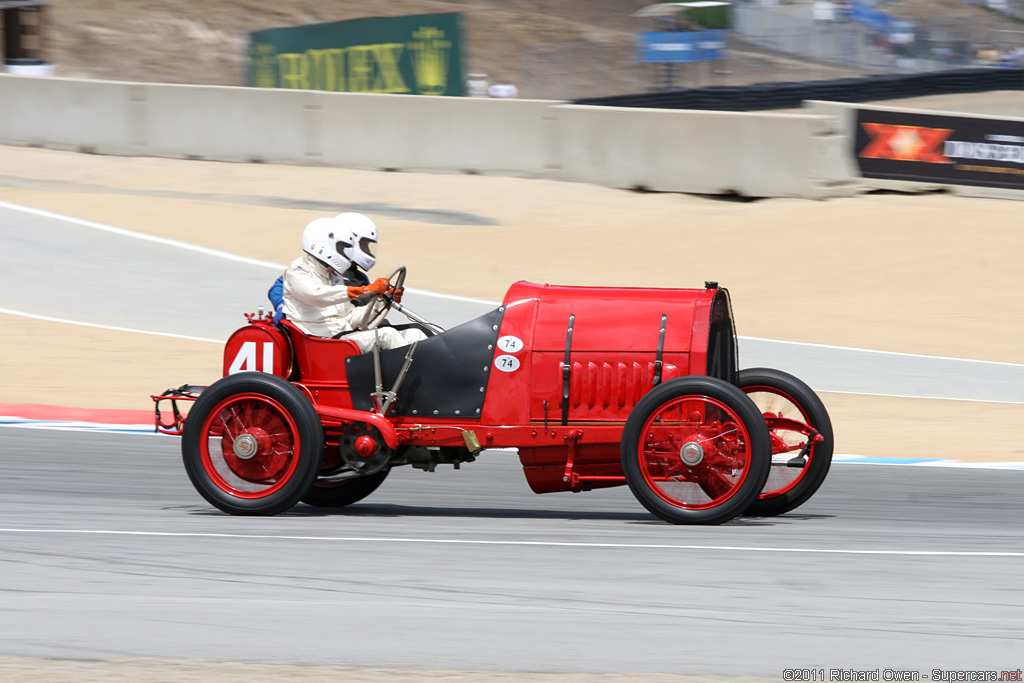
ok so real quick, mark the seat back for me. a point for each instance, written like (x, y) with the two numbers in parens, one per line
(318, 358)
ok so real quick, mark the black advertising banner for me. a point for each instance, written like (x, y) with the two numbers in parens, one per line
(935, 148)
(413, 55)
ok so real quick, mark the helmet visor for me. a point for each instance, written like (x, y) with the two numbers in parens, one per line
(368, 246)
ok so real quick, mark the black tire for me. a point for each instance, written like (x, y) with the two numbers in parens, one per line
(723, 436)
(788, 488)
(340, 494)
(252, 444)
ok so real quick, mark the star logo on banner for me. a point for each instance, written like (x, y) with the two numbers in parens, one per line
(905, 143)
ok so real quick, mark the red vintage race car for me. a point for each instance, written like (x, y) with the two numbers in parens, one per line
(595, 387)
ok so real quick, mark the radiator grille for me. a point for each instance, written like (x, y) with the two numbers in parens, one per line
(614, 386)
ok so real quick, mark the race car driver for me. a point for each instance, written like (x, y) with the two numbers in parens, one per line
(363, 243)
(318, 300)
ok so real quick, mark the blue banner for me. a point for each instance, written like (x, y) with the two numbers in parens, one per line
(679, 46)
(875, 19)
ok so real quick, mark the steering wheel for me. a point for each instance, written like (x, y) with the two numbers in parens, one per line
(375, 314)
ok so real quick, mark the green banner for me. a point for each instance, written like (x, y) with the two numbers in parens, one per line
(712, 17)
(414, 55)
(707, 17)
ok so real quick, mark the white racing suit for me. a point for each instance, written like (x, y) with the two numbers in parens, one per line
(316, 300)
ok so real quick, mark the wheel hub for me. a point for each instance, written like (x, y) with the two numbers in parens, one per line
(365, 446)
(692, 453)
(257, 443)
(245, 446)
(362, 450)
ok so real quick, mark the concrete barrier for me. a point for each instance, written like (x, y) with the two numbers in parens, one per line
(753, 154)
(504, 137)
(368, 131)
(226, 124)
(845, 116)
(88, 116)
(464, 134)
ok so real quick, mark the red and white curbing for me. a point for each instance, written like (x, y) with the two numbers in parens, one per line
(37, 416)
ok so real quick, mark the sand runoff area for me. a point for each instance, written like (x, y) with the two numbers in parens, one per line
(924, 274)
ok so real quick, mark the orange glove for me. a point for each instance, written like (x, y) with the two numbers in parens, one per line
(397, 295)
(378, 286)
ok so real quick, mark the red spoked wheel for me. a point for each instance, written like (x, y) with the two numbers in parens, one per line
(801, 438)
(695, 450)
(252, 444)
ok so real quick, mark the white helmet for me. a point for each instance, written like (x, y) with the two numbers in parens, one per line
(364, 238)
(328, 240)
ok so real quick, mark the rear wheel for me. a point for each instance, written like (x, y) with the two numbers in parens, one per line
(695, 450)
(252, 444)
(801, 439)
(327, 494)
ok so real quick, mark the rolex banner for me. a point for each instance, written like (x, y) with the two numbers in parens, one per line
(414, 55)
(936, 148)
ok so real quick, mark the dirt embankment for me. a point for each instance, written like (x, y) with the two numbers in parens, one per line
(557, 50)
(192, 41)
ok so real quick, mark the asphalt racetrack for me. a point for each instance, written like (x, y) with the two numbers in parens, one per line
(108, 552)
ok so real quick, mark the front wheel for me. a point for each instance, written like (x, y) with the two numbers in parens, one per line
(252, 444)
(695, 450)
(801, 438)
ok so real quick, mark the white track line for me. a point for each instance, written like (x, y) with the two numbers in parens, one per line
(452, 297)
(141, 236)
(556, 544)
(883, 353)
(203, 250)
(107, 327)
(929, 398)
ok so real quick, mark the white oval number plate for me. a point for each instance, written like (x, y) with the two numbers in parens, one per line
(510, 344)
(506, 363)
